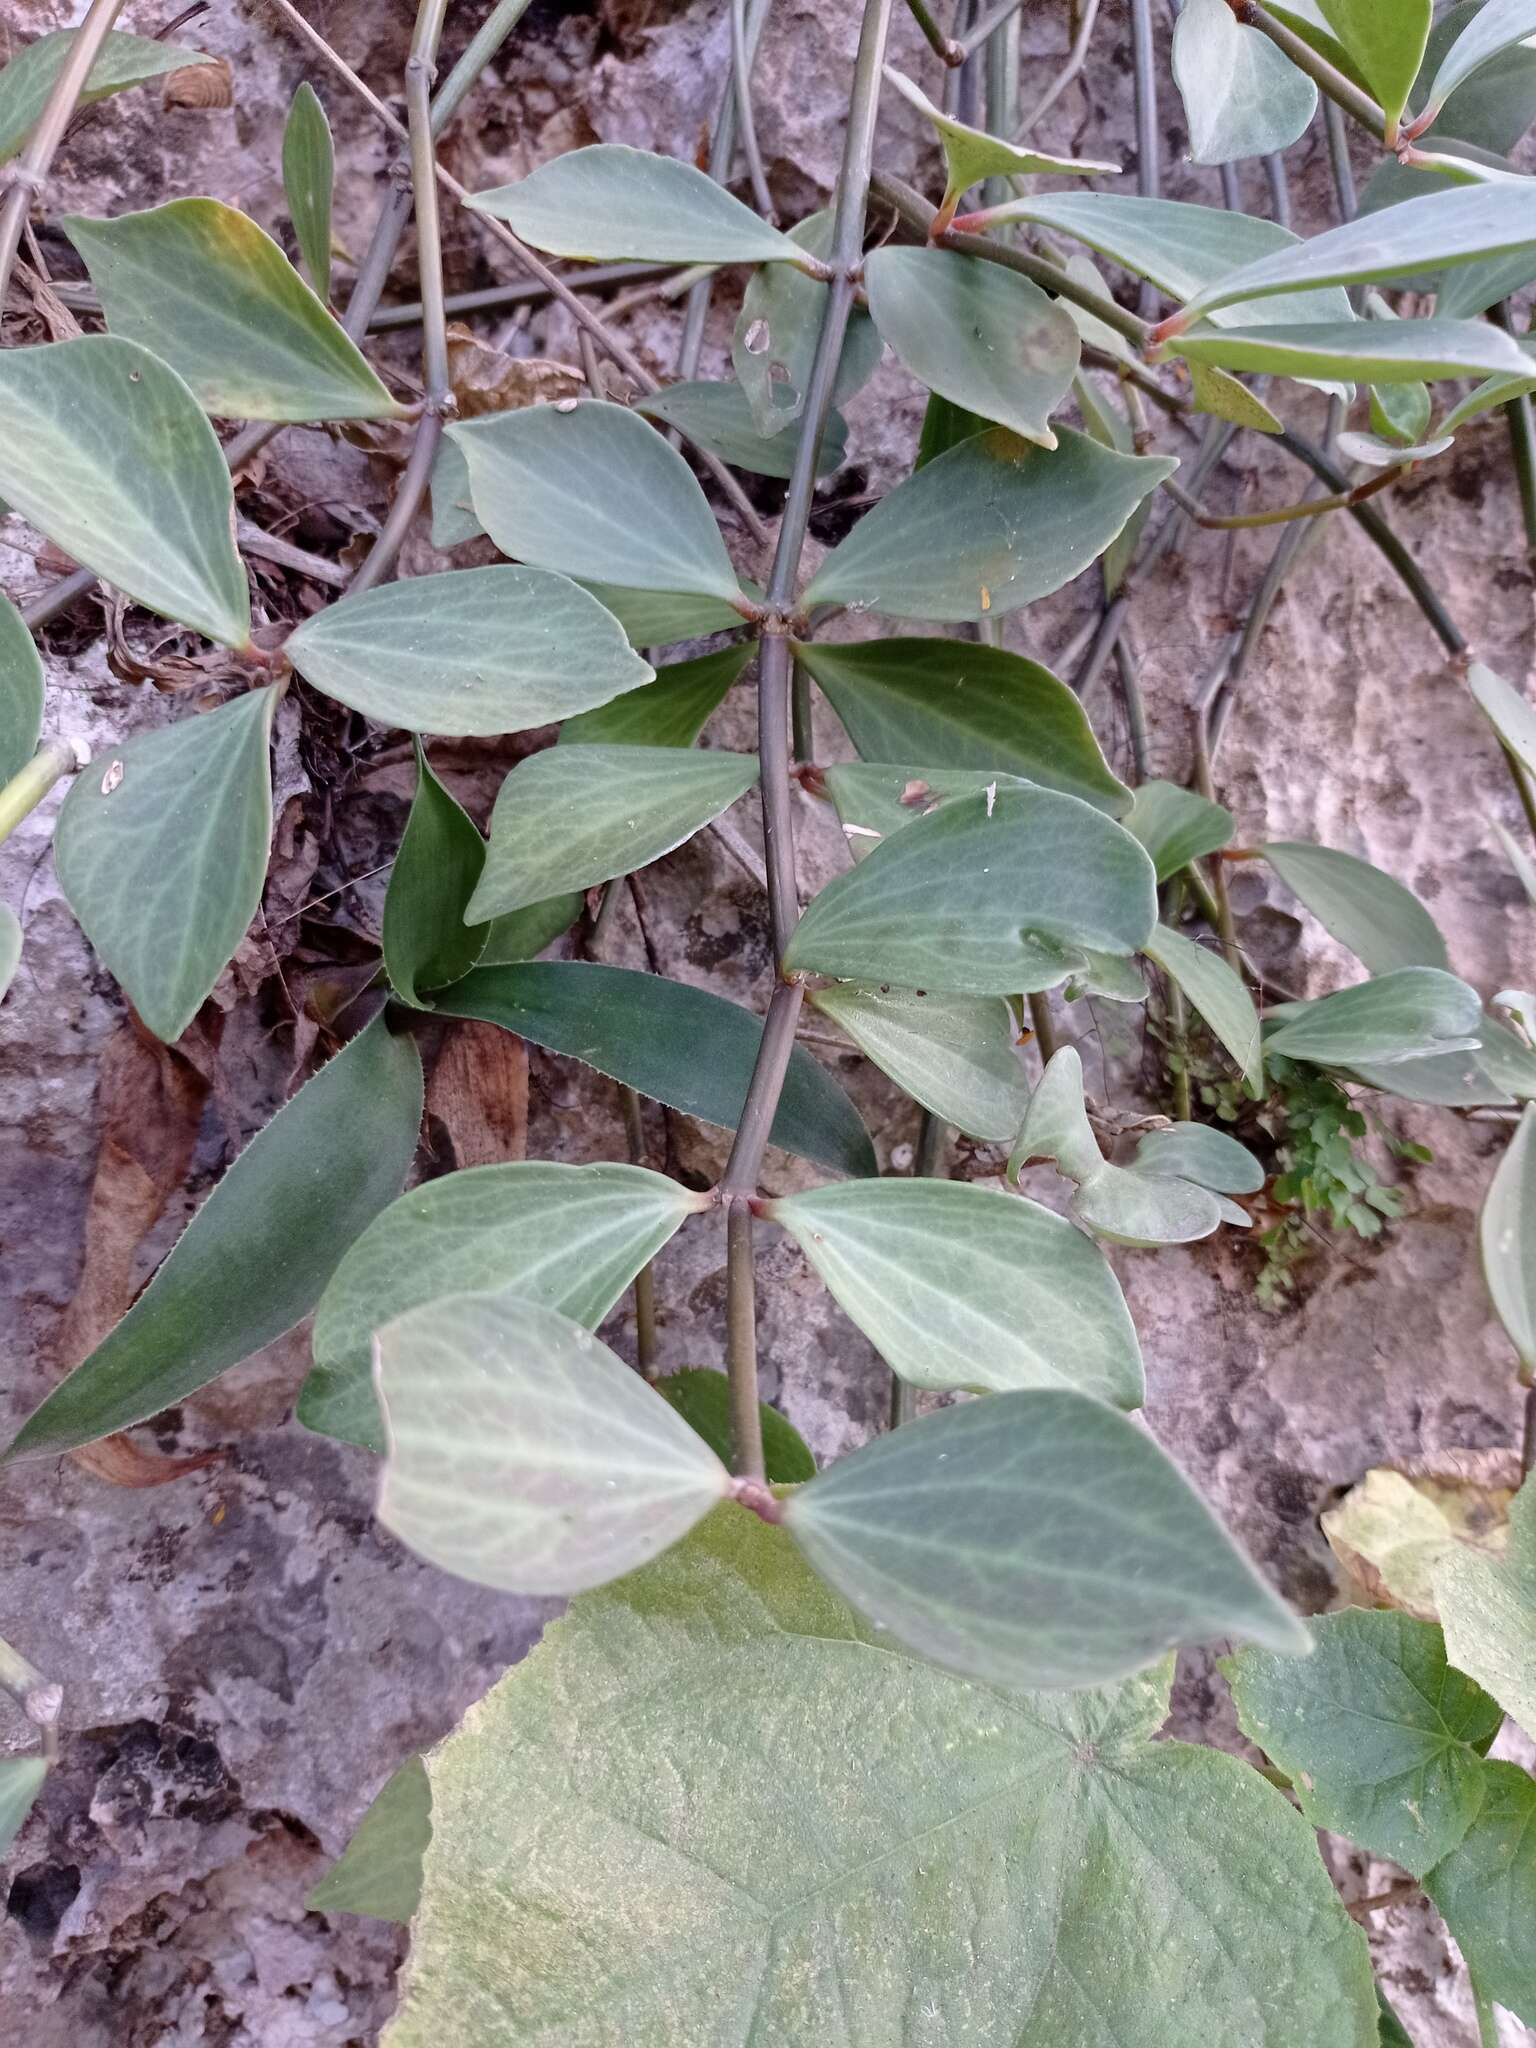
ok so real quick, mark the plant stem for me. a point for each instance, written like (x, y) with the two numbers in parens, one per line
(1149, 170)
(1076, 58)
(39, 1698)
(741, 1344)
(802, 738)
(524, 292)
(943, 47)
(1308, 508)
(483, 46)
(29, 173)
(985, 27)
(1044, 1027)
(1329, 81)
(25, 791)
(741, 73)
(645, 1279)
(722, 149)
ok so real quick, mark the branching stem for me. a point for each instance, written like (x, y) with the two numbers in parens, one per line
(1328, 79)
(25, 791)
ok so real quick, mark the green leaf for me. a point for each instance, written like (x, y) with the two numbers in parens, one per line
(1493, 29)
(1213, 391)
(652, 618)
(1381, 1739)
(468, 652)
(1386, 40)
(1383, 924)
(524, 1455)
(124, 60)
(987, 896)
(946, 543)
(1393, 2033)
(703, 1399)
(219, 301)
(609, 202)
(720, 417)
(972, 154)
(570, 1238)
(1201, 1153)
(953, 1054)
(309, 171)
(1132, 1891)
(670, 712)
(1402, 413)
(1404, 352)
(1485, 1891)
(107, 452)
(1176, 826)
(1218, 993)
(944, 427)
(161, 850)
(380, 1874)
(1062, 1547)
(427, 941)
(1507, 1239)
(1398, 1016)
(1489, 1612)
(774, 342)
(679, 1045)
(453, 511)
(1242, 97)
(254, 1259)
(590, 489)
(21, 1779)
(21, 692)
(523, 934)
(958, 1286)
(10, 947)
(1521, 862)
(979, 335)
(1379, 454)
(1511, 715)
(1056, 1122)
(573, 816)
(873, 799)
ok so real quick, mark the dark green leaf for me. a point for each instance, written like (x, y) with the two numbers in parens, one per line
(1218, 993)
(523, 934)
(1176, 826)
(1386, 39)
(380, 1874)
(427, 941)
(1242, 97)
(775, 335)
(670, 712)
(1399, 1016)
(309, 170)
(945, 426)
(1486, 1891)
(953, 1054)
(1376, 353)
(1383, 924)
(656, 618)
(124, 60)
(1401, 413)
(1488, 1607)
(21, 693)
(703, 1399)
(719, 417)
(1393, 2032)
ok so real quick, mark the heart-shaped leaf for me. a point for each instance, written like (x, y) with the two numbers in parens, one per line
(958, 1286)
(427, 941)
(670, 712)
(380, 1874)
(1385, 39)
(719, 417)
(124, 60)
(1399, 1016)
(1507, 1239)
(1199, 1152)
(1376, 353)
(161, 850)
(776, 333)
(1383, 924)
(953, 1054)
(309, 172)
(21, 1779)
(21, 693)
(1242, 97)
(1176, 826)
(1220, 995)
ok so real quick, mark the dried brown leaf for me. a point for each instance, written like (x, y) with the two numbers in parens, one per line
(485, 380)
(479, 1094)
(204, 86)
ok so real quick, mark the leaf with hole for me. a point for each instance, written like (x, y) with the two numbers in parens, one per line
(468, 653)
(971, 154)
(959, 1286)
(1403, 1015)
(255, 1258)
(873, 799)
(21, 692)
(124, 60)
(106, 451)
(309, 172)
(953, 1054)
(21, 1779)
(1385, 40)
(774, 343)
(719, 417)
(1383, 924)
(670, 712)
(1218, 992)
(1404, 353)
(380, 1873)
(1485, 1891)
(1242, 97)
(570, 1238)
(1176, 826)
(427, 941)
(522, 1454)
(947, 543)
(703, 1399)
(1199, 1152)
(161, 851)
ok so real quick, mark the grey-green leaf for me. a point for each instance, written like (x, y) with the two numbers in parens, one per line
(1404, 1015)
(1511, 715)
(570, 817)
(426, 939)
(105, 450)
(309, 170)
(161, 850)
(774, 342)
(1242, 97)
(946, 544)
(1404, 352)
(1176, 826)
(1507, 1239)
(10, 947)
(958, 1286)
(124, 60)
(1220, 995)
(1383, 924)
(1486, 1891)
(453, 511)
(380, 1873)
(1493, 29)
(219, 301)
(670, 712)
(655, 618)
(524, 1455)
(468, 652)
(21, 1779)
(1032, 1539)
(1144, 1209)
(1199, 1152)
(21, 693)
(873, 799)
(719, 417)
(953, 1054)
(255, 1258)
(592, 490)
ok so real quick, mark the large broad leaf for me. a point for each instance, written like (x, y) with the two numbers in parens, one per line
(958, 704)
(1199, 1152)
(426, 939)
(573, 816)
(1512, 716)
(124, 60)
(703, 1399)
(981, 336)
(1242, 96)
(107, 452)
(21, 1779)
(775, 338)
(1486, 1891)
(1218, 992)
(219, 301)
(594, 491)
(953, 1054)
(21, 693)
(1489, 1612)
(1371, 350)
(1399, 1016)
(1381, 1739)
(380, 1874)
(949, 542)
(161, 849)
(1507, 1238)
(990, 895)
(611, 202)
(1493, 29)
(469, 652)
(1383, 924)
(670, 712)
(719, 417)
(524, 1455)
(566, 1237)
(958, 1286)
(255, 1257)
(972, 154)
(679, 1045)
(309, 172)
(1176, 826)
(1032, 1539)
(1385, 40)
(1058, 1879)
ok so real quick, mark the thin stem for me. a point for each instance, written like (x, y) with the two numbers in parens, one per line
(25, 791)
(1338, 159)
(645, 1279)
(943, 47)
(1135, 705)
(986, 26)
(524, 291)
(30, 171)
(741, 75)
(1002, 60)
(1308, 508)
(483, 46)
(40, 1699)
(1043, 1024)
(722, 150)
(1076, 57)
(801, 736)
(1329, 81)
(741, 1344)
(739, 1180)
(1149, 169)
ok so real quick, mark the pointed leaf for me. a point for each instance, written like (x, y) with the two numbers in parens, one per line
(1507, 1239)
(21, 693)
(380, 1874)
(972, 154)
(987, 896)
(161, 849)
(469, 652)
(1201, 1153)
(1383, 924)
(873, 799)
(776, 332)
(609, 202)
(1485, 1891)
(453, 511)
(1176, 826)
(570, 1238)
(124, 60)
(1032, 1539)
(679, 1045)
(1213, 391)
(953, 1054)
(1512, 716)
(656, 618)
(574, 816)
(255, 1257)
(1242, 97)
(981, 336)
(703, 1399)
(106, 451)
(958, 1286)
(524, 1455)
(1489, 1611)
(1056, 1122)
(1145, 1209)
(1493, 29)
(21, 1779)
(1377, 454)
(309, 171)
(1376, 353)
(427, 941)
(719, 417)
(670, 712)
(1402, 413)
(1398, 1016)
(1385, 39)
(946, 543)
(590, 489)
(523, 934)
(220, 302)
(1218, 993)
